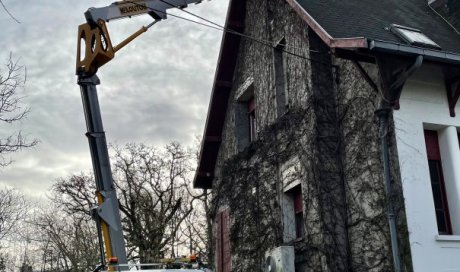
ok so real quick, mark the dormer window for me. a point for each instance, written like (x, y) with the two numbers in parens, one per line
(413, 36)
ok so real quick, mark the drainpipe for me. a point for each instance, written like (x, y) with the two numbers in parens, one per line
(393, 82)
(383, 113)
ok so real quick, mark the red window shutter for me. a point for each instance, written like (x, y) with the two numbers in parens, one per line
(223, 253)
(251, 105)
(227, 258)
(437, 182)
(252, 120)
(218, 237)
(432, 145)
(298, 203)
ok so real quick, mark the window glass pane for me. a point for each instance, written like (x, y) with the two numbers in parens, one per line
(298, 203)
(414, 36)
(434, 171)
(252, 119)
(442, 222)
(299, 225)
(280, 78)
(437, 196)
(437, 182)
(252, 126)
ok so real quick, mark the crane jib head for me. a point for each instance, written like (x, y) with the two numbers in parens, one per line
(128, 8)
(131, 9)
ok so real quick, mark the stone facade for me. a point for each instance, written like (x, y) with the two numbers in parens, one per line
(316, 129)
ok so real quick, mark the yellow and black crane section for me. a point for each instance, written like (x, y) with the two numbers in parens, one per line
(93, 51)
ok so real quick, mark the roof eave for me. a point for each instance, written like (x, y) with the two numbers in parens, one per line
(219, 97)
(372, 45)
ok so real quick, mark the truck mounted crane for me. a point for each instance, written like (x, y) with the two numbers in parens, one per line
(94, 50)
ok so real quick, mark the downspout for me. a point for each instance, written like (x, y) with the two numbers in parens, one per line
(383, 113)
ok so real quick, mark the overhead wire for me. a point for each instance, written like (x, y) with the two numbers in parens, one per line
(226, 29)
(442, 17)
(216, 26)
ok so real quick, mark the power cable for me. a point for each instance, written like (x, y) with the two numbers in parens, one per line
(8, 12)
(235, 32)
(442, 17)
(230, 31)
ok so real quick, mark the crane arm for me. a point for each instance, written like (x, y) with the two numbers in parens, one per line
(95, 47)
(128, 8)
(94, 50)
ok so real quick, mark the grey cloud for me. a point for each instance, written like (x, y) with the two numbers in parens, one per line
(155, 90)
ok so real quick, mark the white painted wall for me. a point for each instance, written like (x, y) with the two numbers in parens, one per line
(424, 105)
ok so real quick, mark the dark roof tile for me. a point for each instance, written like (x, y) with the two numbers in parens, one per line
(372, 18)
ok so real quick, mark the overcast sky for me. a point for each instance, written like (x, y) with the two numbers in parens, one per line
(156, 90)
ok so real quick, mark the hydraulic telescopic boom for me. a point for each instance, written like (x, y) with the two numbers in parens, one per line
(94, 50)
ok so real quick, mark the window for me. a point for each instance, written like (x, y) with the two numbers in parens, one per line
(294, 219)
(280, 78)
(245, 115)
(413, 36)
(223, 255)
(437, 182)
(298, 211)
(252, 120)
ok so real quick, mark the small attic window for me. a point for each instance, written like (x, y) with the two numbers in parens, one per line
(413, 36)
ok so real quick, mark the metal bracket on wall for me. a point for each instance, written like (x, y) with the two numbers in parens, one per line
(393, 73)
(453, 93)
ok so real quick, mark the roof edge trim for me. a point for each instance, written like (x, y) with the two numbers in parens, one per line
(356, 42)
(220, 90)
(352, 42)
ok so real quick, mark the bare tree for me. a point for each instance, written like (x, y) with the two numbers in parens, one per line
(76, 194)
(13, 210)
(7, 262)
(152, 186)
(11, 111)
(3, 262)
(152, 189)
(193, 233)
(66, 243)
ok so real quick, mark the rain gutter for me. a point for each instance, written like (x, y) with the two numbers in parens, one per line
(402, 49)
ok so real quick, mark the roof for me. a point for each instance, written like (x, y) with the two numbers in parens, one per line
(349, 24)
(219, 97)
(371, 19)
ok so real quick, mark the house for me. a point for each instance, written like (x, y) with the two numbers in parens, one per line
(331, 141)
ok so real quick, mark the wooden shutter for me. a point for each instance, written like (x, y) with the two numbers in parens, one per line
(251, 105)
(432, 145)
(226, 254)
(437, 182)
(218, 237)
(298, 203)
(223, 253)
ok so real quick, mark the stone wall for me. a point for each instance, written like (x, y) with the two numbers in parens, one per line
(327, 129)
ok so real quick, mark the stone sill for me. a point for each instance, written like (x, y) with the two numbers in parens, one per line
(447, 238)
